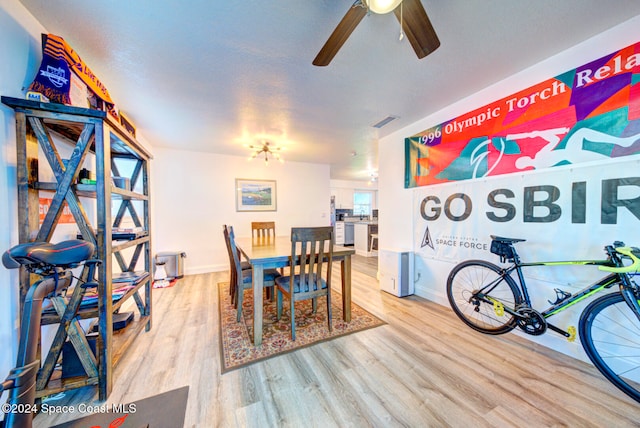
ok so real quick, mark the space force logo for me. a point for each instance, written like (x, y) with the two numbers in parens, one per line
(426, 239)
(459, 241)
(56, 76)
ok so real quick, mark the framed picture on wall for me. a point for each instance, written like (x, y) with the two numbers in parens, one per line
(255, 195)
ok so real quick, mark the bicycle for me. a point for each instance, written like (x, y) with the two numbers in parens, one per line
(54, 264)
(488, 299)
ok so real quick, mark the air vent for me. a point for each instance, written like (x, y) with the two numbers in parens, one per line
(385, 121)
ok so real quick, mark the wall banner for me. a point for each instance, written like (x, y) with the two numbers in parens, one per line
(561, 215)
(591, 113)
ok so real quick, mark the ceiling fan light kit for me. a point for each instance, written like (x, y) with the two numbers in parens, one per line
(382, 6)
(413, 19)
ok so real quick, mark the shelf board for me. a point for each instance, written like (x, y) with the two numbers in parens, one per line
(58, 384)
(24, 104)
(127, 194)
(122, 244)
(49, 316)
(89, 191)
(124, 142)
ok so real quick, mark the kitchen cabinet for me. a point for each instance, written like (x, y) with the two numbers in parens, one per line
(98, 208)
(362, 241)
(339, 233)
(343, 197)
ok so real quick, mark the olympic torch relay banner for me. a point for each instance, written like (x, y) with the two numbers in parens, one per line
(587, 114)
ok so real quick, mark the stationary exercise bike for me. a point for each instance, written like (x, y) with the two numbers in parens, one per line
(53, 262)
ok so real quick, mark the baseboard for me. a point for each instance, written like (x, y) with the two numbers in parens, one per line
(432, 295)
(191, 270)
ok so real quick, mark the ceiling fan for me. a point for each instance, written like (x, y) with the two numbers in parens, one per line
(413, 20)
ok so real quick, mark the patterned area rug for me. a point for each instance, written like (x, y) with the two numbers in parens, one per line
(236, 345)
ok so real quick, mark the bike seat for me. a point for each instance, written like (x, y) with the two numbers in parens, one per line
(63, 254)
(506, 240)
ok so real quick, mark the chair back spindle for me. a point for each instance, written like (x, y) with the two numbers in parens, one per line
(263, 229)
(314, 248)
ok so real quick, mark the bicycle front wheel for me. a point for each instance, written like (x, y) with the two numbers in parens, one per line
(481, 295)
(610, 335)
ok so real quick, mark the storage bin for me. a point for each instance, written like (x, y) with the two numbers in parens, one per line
(71, 365)
(174, 263)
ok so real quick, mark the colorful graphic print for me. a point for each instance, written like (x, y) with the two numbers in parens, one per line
(588, 114)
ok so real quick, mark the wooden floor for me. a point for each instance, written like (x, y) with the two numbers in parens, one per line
(422, 369)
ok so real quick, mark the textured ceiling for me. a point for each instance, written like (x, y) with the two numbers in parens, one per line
(216, 76)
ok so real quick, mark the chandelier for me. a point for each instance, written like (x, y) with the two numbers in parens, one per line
(266, 150)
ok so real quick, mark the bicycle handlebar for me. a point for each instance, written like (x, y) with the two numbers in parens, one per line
(633, 267)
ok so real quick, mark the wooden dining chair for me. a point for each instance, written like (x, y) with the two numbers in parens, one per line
(243, 277)
(263, 229)
(313, 247)
(232, 271)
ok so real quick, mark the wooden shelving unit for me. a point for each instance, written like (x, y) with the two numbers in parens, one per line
(95, 135)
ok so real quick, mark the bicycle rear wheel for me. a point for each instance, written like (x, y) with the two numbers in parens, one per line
(610, 335)
(485, 313)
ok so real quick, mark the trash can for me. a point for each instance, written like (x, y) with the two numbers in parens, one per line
(173, 263)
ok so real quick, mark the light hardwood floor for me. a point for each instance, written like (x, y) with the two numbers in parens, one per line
(422, 369)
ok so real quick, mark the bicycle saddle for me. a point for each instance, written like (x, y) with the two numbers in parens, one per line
(506, 240)
(63, 254)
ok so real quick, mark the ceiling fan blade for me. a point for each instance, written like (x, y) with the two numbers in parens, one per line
(340, 35)
(417, 27)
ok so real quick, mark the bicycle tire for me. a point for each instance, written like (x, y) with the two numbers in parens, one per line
(610, 335)
(481, 315)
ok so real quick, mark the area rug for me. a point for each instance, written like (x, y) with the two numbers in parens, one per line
(165, 284)
(166, 410)
(236, 339)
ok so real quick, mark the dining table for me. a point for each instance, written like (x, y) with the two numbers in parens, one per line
(275, 252)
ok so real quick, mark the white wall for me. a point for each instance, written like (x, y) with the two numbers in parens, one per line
(20, 53)
(353, 184)
(396, 203)
(193, 195)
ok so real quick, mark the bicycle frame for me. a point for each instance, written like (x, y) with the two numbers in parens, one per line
(603, 283)
(597, 286)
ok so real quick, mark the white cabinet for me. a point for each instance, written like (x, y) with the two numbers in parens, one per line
(343, 197)
(339, 233)
(346, 198)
